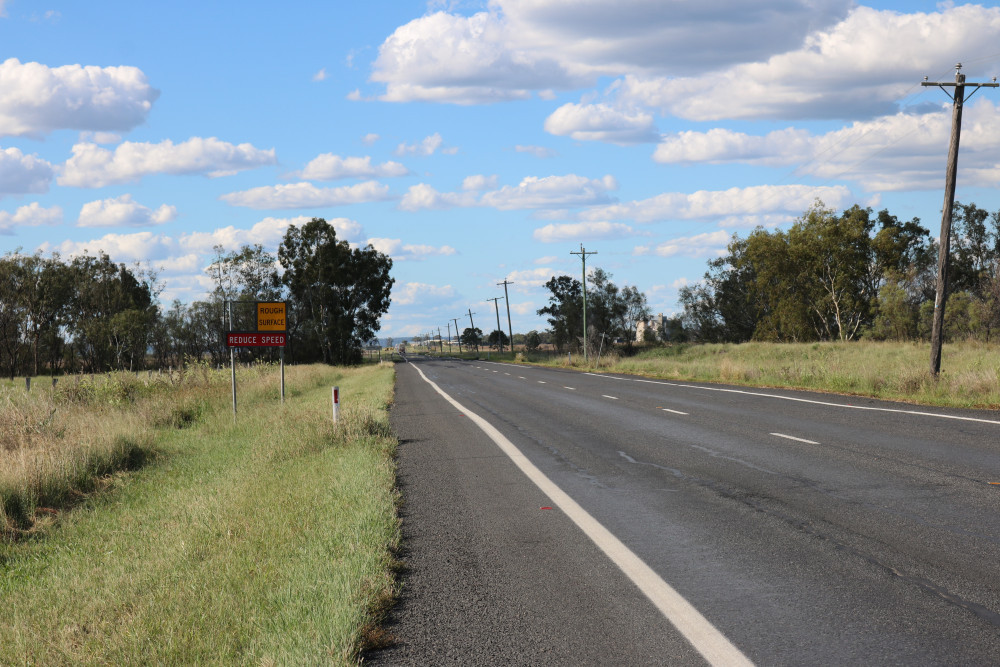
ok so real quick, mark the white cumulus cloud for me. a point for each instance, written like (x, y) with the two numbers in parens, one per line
(858, 68)
(521, 46)
(123, 211)
(36, 99)
(400, 251)
(601, 122)
(412, 294)
(903, 151)
(584, 231)
(426, 147)
(307, 195)
(330, 167)
(93, 167)
(709, 204)
(268, 233)
(711, 244)
(479, 182)
(32, 215)
(23, 174)
(549, 191)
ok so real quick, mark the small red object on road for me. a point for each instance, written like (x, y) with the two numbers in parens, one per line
(544, 508)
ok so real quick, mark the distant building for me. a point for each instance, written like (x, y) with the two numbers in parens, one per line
(658, 325)
(654, 324)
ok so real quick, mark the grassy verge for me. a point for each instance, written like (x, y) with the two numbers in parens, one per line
(970, 375)
(266, 541)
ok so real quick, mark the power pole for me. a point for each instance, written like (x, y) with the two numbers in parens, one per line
(507, 301)
(457, 334)
(496, 307)
(449, 337)
(583, 256)
(440, 341)
(473, 325)
(958, 101)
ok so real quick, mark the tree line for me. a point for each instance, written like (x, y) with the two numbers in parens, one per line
(89, 314)
(847, 276)
(612, 313)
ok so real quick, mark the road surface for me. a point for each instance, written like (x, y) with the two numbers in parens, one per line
(689, 524)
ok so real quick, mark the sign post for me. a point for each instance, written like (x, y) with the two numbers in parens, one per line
(271, 317)
(336, 403)
(271, 332)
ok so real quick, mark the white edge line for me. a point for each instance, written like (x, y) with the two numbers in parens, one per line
(792, 437)
(804, 400)
(703, 636)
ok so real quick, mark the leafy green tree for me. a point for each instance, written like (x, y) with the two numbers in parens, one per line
(339, 294)
(565, 311)
(471, 337)
(498, 339)
(532, 341)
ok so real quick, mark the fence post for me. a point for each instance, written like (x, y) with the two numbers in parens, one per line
(27, 384)
(336, 403)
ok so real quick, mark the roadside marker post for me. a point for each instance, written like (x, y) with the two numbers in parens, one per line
(336, 403)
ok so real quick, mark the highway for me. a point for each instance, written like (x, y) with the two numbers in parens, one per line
(559, 517)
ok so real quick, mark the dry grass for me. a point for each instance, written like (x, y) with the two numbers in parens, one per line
(969, 378)
(59, 443)
(267, 539)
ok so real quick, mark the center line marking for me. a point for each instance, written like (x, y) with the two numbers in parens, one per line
(573, 388)
(676, 412)
(541, 382)
(613, 398)
(792, 437)
(520, 377)
(698, 630)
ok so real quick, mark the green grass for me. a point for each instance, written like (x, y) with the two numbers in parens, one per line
(969, 378)
(264, 541)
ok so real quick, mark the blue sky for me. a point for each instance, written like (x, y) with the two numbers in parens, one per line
(478, 141)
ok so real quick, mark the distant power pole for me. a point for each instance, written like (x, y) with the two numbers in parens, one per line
(448, 324)
(583, 256)
(499, 333)
(941, 296)
(440, 341)
(457, 334)
(473, 325)
(507, 301)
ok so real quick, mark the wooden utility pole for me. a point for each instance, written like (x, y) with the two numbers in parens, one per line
(473, 325)
(506, 299)
(499, 333)
(457, 334)
(958, 100)
(583, 256)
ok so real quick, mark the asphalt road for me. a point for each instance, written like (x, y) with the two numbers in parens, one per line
(802, 528)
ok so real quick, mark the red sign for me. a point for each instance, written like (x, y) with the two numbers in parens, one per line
(235, 339)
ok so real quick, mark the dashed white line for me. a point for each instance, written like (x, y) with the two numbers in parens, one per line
(571, 388)
(792, 437)
(541, 382)
(676, 412)
(521, 377)
(613, 398)
(796, 399)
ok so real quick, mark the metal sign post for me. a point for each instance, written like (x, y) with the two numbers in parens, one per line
(271, 332)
